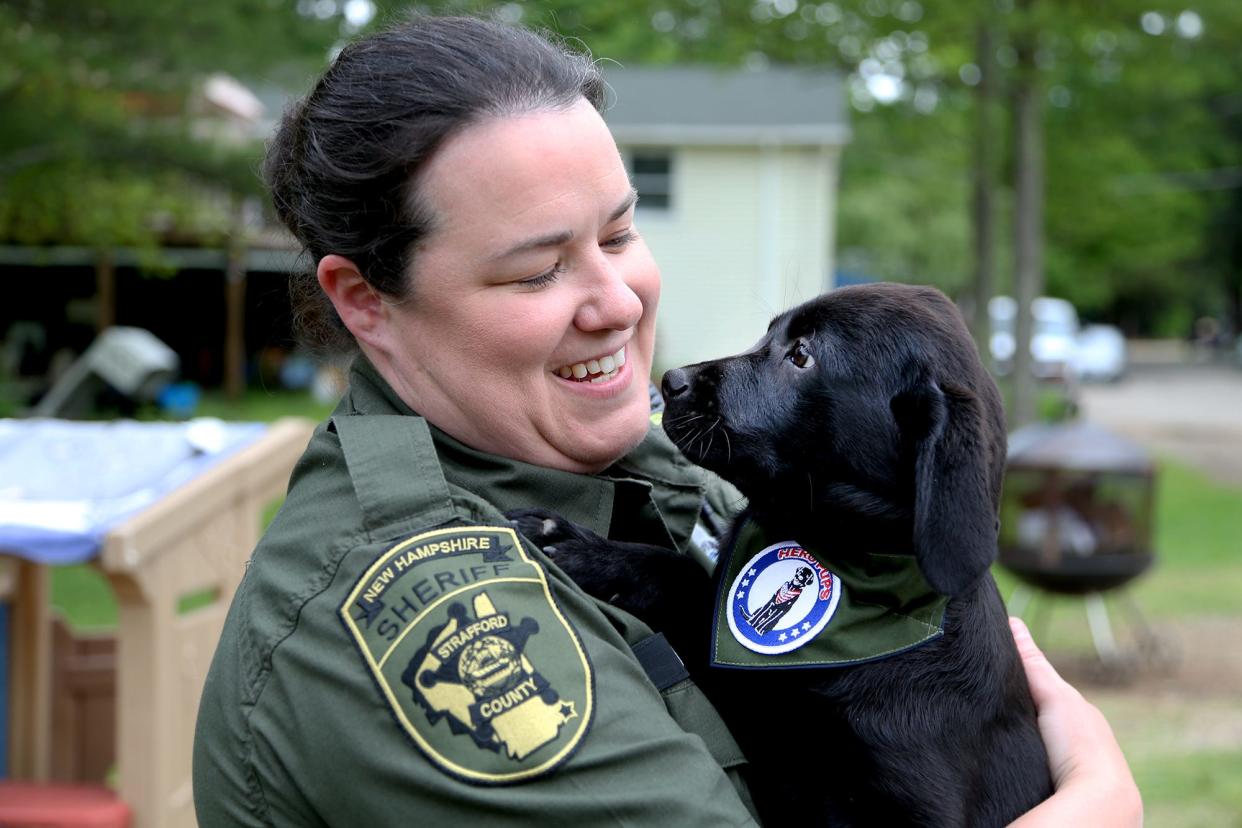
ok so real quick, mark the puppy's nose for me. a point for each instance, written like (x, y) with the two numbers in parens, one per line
(676, 382)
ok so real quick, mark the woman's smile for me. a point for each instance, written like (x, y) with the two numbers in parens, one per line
(596, 370)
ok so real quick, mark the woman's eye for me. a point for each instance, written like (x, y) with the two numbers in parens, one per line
(800, 355)
(545, 278)
(619, 241)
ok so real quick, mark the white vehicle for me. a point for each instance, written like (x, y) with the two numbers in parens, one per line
(1101, 354)
(1054, 336)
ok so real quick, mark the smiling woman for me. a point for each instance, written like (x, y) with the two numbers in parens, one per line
(398, 649)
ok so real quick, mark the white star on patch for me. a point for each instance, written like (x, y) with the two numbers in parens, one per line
(806, 625)
(751, 573)
(795, 632)
(746, 582)
(740, 595)
(782, 637)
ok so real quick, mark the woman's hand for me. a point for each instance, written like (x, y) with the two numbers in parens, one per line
(1093, 782)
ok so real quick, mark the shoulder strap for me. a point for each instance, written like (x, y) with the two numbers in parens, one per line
(660, 661)
(396, 473)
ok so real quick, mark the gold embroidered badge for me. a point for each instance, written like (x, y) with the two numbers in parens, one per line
(476, 659)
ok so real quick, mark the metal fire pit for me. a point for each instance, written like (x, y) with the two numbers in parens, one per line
(1076, 519)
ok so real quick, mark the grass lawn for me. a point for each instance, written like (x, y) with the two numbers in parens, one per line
(263, 406)
(1185, 746)
(1185, 752)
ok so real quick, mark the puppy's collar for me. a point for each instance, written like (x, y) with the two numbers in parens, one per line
(782, 605)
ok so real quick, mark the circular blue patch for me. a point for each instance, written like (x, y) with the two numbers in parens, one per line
(781, 599)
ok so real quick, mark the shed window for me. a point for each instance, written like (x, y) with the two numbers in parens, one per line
(652, 173)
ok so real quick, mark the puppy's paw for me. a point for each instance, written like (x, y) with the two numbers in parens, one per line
(650, 582)
(580, 561)
(548, 529)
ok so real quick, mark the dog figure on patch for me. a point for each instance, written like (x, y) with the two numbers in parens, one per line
(765, 618)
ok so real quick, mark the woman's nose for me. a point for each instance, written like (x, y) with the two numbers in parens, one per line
(612, 303)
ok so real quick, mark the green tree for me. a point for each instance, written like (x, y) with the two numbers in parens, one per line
(97, 142)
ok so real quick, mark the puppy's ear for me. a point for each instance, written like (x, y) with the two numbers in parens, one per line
(954, 502)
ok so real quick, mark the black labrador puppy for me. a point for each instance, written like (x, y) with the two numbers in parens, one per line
(874, 679)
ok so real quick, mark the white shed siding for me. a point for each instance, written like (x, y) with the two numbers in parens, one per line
(749, 234)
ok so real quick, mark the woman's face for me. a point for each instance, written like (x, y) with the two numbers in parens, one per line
(530, 328)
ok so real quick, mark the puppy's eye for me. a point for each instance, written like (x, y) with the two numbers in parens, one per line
(800, 355)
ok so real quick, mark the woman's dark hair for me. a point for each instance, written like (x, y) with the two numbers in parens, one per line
(342, 168)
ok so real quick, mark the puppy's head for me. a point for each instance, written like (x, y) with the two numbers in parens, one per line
(868, 404)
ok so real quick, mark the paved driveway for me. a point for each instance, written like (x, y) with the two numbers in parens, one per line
(1191, 412)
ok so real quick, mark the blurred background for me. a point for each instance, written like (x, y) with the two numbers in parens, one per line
(1070, 172)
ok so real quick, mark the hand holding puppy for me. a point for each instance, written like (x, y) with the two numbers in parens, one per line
(1094, 785)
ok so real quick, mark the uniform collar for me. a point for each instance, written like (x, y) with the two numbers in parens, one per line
(653, 494)
(370, 393)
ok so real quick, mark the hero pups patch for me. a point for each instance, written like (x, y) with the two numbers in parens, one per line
(781, 599)
(471, 652)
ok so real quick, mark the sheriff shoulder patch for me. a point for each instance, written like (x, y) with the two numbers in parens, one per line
(479, 664)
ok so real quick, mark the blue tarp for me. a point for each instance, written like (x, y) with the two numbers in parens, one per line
(63, 484)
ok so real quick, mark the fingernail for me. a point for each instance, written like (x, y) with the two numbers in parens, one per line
(1019, 628)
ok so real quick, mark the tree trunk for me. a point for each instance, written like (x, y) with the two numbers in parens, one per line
(105, 291)
(984, 180)
(1028, 217)
(235, 308)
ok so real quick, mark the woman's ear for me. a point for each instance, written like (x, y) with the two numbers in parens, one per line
(357, 303)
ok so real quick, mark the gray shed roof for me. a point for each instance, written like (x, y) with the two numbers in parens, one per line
(702, 105)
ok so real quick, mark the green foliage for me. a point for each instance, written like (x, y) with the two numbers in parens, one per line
(903, 216)
(1139, 230)
(100, 141)
(1129, 215)
(74, 202)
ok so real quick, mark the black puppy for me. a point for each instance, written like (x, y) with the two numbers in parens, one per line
(864, 430)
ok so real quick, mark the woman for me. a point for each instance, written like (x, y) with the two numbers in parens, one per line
(395, 654)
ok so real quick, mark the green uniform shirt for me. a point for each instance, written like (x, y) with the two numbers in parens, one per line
(396, 655)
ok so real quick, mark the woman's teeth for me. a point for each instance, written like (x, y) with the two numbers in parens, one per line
(594, 370)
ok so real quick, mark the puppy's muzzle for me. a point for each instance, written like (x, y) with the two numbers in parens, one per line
(693, 385)
(676, 383)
